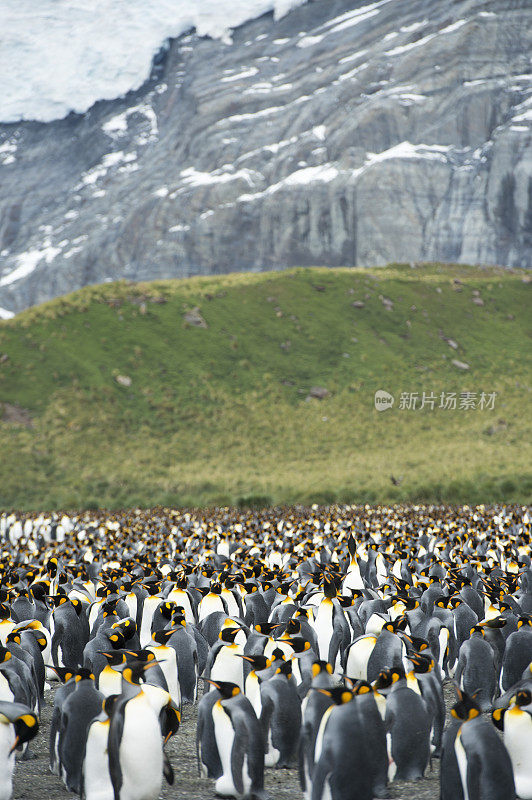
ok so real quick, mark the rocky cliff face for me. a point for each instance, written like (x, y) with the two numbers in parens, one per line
(344, 134)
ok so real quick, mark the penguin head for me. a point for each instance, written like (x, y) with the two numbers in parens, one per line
(83, 674)
(340, 695)
(329, 587)
(419, 644)
(496, 622)
(109, 607)
(258, 662)
(387, 677)
(362, 687)
(64, 673)
(266, 628)
(170, 719)
(422, 663)
(497, 717)
(319, 667)
(126, 627)
(298, 644)
(161, 637)
(78, 605)
(228, 634)
(285, 668)
(523, 698)
(115, 658)
(166, 610)
(467, 707)
(5, 655)
(178, 616)
(525, 619)
(278, 655)
(293, 627)
(134, 672)
(52, 566)
(109, 704)
(226, 689)
(26, 727)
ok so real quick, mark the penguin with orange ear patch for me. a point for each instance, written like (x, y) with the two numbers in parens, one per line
(343, 758)
(474, 761)
(374, 733)
(517, 654)
(79, 708)
(239, 743)
(280, 716)
(18, 725)
(516, 723)
(476, 670)
(408, 726)
(313, 708)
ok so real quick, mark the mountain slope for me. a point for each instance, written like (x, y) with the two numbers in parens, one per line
(207, 390)
(345, 133)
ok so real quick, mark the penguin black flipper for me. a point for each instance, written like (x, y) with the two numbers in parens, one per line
(238, 751)
(320, 775)
(168, 770)
(474, 767)
(304, 742)
(450, 781)
(265, 718)
(116, 729)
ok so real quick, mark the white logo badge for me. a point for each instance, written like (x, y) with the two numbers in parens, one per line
(383, 400)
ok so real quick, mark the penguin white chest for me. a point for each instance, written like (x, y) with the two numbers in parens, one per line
(228, 666)
(141, 752)
(461, 758)
(7, 762)
(110, 681)
(5, 690)
(150, 604)
(225, 736)
(518, 742)
(321, 733)
(253, 693)
(208, 605)
(96, 776)
(357, 660)
(323, 625)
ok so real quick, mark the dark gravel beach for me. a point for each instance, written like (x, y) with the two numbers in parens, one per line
(34, 781)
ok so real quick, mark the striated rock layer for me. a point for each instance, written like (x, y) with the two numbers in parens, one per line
(343, 134)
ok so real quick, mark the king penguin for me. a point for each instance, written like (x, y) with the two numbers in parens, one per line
(137, 761)
(474, 761)
(239, 742)
(18, 725)
(516, 723)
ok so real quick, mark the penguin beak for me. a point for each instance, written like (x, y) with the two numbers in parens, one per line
(15, 745)
(213, 683)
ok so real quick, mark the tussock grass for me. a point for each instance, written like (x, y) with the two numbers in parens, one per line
(221, 414)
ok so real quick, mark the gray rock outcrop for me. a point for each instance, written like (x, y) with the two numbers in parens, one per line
(344, 134)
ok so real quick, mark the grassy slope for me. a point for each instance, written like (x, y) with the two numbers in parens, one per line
(217, 414)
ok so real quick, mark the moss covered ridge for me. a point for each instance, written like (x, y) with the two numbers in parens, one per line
(212, 390)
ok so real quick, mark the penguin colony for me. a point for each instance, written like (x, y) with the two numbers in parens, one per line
(317, 638)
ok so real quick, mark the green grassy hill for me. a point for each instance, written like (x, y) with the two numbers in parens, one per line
(111, 397)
